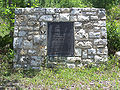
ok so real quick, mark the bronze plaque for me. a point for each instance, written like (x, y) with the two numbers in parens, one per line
(60, 38)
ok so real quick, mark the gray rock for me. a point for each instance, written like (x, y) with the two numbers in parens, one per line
(73, 18)
(92, 51)
(46, 18)
(32, 51)
(94, 17)
(100, 41)
(25, 28)
(78, 52)
(22, 33)
(101, 23)
(50, 11)
(83, 18)
(65, 10)
(84, 44)
(64, 17)
(84, 54)
(27, 44)
(94, 35)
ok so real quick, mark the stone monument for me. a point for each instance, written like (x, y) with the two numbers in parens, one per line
(69, 36)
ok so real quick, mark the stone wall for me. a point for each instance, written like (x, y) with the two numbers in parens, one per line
(30, 36)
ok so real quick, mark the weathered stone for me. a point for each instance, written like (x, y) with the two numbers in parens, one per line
(100, 41)
(75, 11)
(22, 33)
(90, 56)
(77, 24)
(27, 44)
(104, 34)
(18, 11)
(96, 28)
(36, 28)
(36, 39)
(102, 51)
(80, 34)
(31, 23)
(40, 39)
(77, 52)
(15, 42)
(92, 51)
(32, 18)
(94, 17)
(73, 59)
(22, 59)
(98, 58)
(50, 11)
(94, 35)
(64, 17)
(65, 10)
(23, 52)
(101, 14)
(58, 10)
(73, 18)
(84, 54)
(101, 23)
(29, 37)
(89, 13)
(25, 28)
(28, 11)
(87, 61)
(88, 26)
(15, 30)
(39, 10)
(46, 18)
(84, 44)
(56, 17)
(83, 18)
(32, 51)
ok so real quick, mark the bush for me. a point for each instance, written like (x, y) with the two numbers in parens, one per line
(113, 30)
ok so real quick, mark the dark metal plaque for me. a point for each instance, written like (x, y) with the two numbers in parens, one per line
(60, 38)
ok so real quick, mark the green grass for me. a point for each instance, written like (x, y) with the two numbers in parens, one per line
(66, 78)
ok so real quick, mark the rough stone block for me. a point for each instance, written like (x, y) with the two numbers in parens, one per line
(84, 44)
(77, 52)
(65, 10)
(100, 41)
(46, 18)
(83, 18)
(22, 33)
(92, 51)
(27, 44)
(64, 17)
(94, 35)
(84, 53)
(94, 17)
(73, 18)
(50, 11)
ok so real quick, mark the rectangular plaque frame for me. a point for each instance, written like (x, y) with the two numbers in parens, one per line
(60, 38)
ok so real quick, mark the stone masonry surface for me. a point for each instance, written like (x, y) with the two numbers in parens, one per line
(30, 36)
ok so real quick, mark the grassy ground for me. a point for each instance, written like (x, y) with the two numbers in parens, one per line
(65, 78)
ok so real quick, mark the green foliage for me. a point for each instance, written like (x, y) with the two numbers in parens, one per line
(113, 30)
(107, 4)
(6, 64)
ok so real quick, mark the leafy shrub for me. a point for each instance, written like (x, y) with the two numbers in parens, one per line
(113, 30)
(6, 62)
